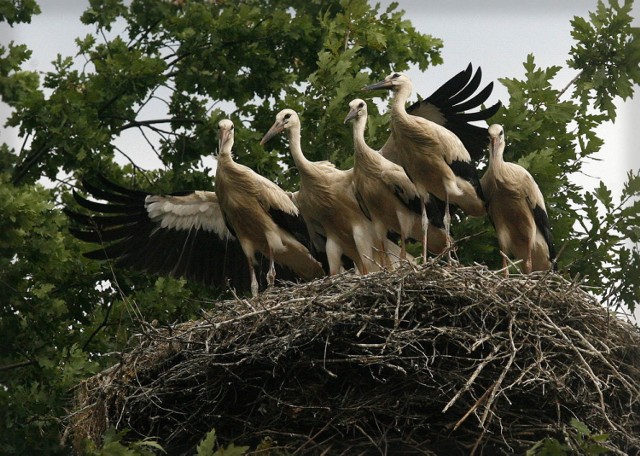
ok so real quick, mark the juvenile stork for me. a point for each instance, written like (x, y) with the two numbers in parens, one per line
(448, 106)
(516, 209)
(433, 157)
(327, 203)
(205, 237)
(385, 193)
(259, 214)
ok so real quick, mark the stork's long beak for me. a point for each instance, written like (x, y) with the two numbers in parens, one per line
(353, 113)
(274, 130)
(223, 137)
(378, 85)
(494, 142)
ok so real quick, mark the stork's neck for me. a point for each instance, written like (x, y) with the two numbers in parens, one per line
(299, 159)
(358, 133)
(400, 98)
(224, 154)
(496, 159)
(363, 151)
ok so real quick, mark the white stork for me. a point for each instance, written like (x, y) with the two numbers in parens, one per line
(516, 209)
(328, 204)
(448, 106)
(385, 193)
(434, 158)
(206, 237)
(257, 210)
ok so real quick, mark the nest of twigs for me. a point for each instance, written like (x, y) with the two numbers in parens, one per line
(428, 360)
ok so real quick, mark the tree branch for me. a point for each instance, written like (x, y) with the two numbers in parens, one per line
(17, 365)
(146, 123)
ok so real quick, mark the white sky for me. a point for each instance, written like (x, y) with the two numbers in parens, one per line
(497, 35)
(494, 34)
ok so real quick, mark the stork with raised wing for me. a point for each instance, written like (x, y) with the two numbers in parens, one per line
(327, 203)
(448, 105)
(434, 157)
(206, 237)
(385, 193)
(516, 208)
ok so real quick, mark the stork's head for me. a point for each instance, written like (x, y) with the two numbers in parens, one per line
(285, 119)
(496, 140)
(357, 109)
(394, 82)
(225, 135)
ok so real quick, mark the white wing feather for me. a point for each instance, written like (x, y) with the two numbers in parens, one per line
(198, 210)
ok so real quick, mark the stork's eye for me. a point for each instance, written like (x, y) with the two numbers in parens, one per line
(287, 116)
(361, 105)
(395, 75)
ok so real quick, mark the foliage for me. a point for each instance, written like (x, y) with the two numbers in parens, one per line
(166, 72)
(553, 136)
(581, 440)
(207, 446)
(112, 446)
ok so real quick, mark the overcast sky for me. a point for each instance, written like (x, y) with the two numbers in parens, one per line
(498, 35)
(494, 34)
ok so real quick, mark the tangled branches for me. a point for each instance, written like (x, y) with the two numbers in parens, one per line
(442, 359)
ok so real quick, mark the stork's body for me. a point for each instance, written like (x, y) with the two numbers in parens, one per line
(433, 157)
(516, 208)
(385, 193)
(252, 205)
(327, 203)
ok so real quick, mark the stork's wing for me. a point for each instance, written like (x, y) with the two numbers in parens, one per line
(536, 204)
(270, 196)
(400, 184)
(467, 171)
(447, 105)
(179, 235)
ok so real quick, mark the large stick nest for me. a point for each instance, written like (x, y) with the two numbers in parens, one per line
(443, 359)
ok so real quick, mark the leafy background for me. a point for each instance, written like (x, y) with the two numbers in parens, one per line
(64, 318)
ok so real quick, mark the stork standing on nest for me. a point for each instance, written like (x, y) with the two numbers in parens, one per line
(327, 203)
(207, 237)
(433, 157)
(448, 105)
(257, 210)
(385, 193)
(516, 208)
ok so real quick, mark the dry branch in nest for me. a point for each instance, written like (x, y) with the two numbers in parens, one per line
(443, 359)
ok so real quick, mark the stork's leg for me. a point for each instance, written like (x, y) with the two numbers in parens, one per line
(382, 255)
(527, 265)
(504, 264)
(334, 256)
(403, 248)
(254, 281)
(425, 229)
(271, 275)
(446, 219)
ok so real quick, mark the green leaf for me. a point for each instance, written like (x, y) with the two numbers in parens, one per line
(207, 445)
(579, 426)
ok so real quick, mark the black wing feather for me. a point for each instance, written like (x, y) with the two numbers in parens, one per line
(450, 102)
(542, 222)
(126, 235)
(467, 171)
(294, 224)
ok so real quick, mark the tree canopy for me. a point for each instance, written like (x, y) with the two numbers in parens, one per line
(178, 68)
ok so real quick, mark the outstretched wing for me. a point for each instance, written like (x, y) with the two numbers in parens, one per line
(447, 106)
(179, 235)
